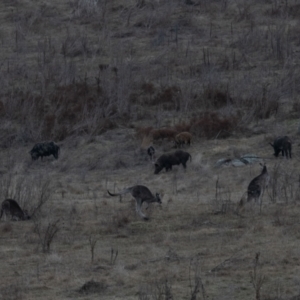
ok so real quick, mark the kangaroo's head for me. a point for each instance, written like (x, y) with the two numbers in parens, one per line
(264, 168)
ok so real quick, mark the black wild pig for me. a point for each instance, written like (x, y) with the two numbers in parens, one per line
(168, 160)
(44, 149)
(282, 144)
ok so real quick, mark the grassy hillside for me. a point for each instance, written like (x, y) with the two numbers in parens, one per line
(96, 77)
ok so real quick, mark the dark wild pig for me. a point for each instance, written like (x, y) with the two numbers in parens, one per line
(168, 160)
(44, 149)
(282, 144)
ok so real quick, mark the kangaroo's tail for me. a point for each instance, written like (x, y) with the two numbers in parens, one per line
(119, 194)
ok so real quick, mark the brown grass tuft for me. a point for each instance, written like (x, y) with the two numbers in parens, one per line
(212, 125)
(168, 97)
(182, 127)
(6, 228)
(163, 133)
(148, 88)
(142, 132)
(216, 98)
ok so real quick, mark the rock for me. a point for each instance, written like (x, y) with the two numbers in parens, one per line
(250, 158)
(239, 162)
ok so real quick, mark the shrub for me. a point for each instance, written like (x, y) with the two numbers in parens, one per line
(216, 98)
(46, 233)
(182, 127)
(167, 97)
(148, 88)
(261, 108)
(212, 125)
(163, 133)
(142, 132)
(77, 108)
(93, 287)
(148, 134)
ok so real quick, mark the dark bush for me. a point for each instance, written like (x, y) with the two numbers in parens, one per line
(163, 133)
(167, 97)
(216, 98)
(93, 287)
(77, 108)
(212, 125)
(182, 127)
(261, 108)
(141, 132)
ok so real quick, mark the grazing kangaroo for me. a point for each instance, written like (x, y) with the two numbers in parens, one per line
(258, 185)
(12, 208)
(141, 194)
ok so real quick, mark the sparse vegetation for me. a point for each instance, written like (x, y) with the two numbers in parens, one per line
(92, 243)
(107, 79)
(256, 277)
(46, 233)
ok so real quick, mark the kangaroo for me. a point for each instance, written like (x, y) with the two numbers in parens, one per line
(141, 194)
(258, 185)
(12, 208)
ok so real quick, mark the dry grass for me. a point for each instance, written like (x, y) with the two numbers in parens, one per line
(186, 231)
(105, 79)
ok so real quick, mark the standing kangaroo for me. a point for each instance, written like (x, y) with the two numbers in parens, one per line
(12, 208)
(258, 185)
(141, 194)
